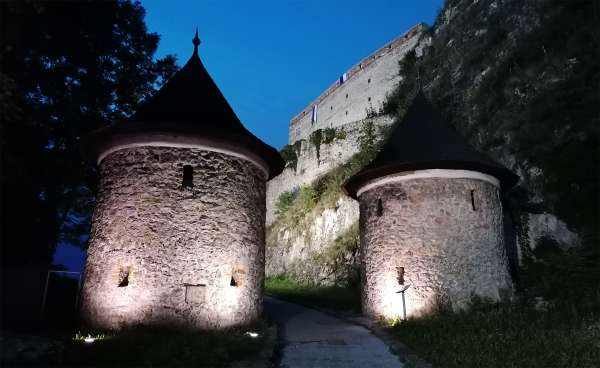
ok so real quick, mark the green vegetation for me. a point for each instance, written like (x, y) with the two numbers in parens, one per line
(66, 70)
(338, 257)
(292, 210)
(331, 297)
(503, 335)
(284, 201)
(290, 153)
(295, 211)
(316, 138)
(153, 347)
(292, 213)
(325, 136)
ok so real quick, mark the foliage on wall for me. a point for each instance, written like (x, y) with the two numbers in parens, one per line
(339, 257)
(294, 212)
(316, 138)
(290, 153)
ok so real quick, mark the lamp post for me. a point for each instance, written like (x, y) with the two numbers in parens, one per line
(401, 291)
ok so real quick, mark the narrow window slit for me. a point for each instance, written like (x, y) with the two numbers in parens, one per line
(123, 277)
(379, 207)
(188, 176)
(473, 200)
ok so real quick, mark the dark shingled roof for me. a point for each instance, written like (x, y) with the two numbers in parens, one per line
(423, 141)
(189, 105)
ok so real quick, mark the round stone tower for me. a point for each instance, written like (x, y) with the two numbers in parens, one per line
(430, 220)
(178, 231)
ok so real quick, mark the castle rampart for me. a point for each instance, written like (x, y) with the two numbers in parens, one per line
(360, 90)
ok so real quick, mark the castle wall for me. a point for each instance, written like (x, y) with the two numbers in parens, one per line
(367, 84)
(449, 249)
(309, 167)
(178, 249)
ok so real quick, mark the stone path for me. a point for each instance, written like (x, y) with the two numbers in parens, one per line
(317, 340)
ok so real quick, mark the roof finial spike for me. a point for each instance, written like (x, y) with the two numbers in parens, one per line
(196, 42)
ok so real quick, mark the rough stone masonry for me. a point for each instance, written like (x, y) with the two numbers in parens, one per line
(163, 253)
(449, 243)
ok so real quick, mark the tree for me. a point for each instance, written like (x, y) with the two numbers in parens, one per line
(66, 68)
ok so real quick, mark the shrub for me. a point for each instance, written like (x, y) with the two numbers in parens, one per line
(284, 201)
(289, 155)
(329, 134)
(316, 138)
(339, 257)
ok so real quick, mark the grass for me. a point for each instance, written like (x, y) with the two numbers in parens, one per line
(153, 347)
(503, 335)
(343, 299)
(563, 333)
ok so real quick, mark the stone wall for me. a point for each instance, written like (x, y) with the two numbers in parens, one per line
(309, 167)
(366, 87)
(449, 250)
(161, 253)
(298, 253)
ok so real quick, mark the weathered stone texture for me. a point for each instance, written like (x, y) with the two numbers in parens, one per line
(296, 253)
(449, 251)
(178, 249)
(309, 167)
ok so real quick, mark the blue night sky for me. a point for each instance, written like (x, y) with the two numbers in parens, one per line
(272, 58)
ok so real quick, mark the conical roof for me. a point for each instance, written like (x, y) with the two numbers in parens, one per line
(422, 140)
(188, 110)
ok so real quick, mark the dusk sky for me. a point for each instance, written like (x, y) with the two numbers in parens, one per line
(272, 58)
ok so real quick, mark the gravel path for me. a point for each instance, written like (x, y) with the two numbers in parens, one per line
(317, 340)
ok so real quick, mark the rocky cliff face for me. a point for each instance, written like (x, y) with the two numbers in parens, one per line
(520, 80)
(312, 234)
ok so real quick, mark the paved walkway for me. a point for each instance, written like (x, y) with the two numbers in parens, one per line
(317, 340)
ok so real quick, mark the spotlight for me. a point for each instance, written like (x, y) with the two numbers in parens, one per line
(89, 339)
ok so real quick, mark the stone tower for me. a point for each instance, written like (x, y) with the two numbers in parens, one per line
(178, 230)
(430, 219)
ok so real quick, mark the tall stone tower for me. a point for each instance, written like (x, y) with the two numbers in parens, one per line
(430, 219)
(178, 230)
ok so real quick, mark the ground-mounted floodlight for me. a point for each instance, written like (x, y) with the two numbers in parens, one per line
(89, 339)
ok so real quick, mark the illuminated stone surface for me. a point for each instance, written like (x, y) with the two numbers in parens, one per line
(449, 251)
(179, 248)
